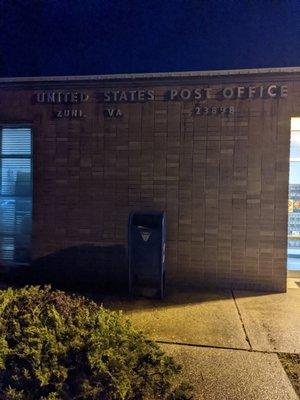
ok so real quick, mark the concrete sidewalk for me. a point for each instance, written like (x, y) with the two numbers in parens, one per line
(219, 374)
(227, 341)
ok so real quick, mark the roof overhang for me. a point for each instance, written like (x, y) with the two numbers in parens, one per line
(154, 75)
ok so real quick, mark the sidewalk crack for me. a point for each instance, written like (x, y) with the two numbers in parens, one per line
(241, 319)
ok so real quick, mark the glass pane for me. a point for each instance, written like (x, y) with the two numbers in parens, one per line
(16, 195)
(15, 229)
(7, 215)
(295, 124)
(294, 198)
(294, 172)
(16, 177)
(295, 146)
(16, 141)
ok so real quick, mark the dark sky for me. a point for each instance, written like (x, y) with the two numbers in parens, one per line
(83, 37)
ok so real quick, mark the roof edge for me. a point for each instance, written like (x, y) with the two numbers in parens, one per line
(150, 75)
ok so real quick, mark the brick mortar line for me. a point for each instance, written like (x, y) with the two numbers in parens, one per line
(241, 319)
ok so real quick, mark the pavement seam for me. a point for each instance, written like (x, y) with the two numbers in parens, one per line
(241, 319)
(216, 347)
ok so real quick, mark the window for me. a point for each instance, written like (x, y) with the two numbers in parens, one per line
(15, 194)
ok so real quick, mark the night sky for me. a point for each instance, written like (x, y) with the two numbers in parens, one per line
(84, 37)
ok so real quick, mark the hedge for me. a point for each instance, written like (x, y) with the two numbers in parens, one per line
(57, 346)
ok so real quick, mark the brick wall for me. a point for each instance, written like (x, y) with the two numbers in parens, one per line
(223, 180)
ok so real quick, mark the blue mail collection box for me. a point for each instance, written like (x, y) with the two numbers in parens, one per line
(146, 251)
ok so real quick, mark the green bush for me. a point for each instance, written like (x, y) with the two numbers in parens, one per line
(54, 346)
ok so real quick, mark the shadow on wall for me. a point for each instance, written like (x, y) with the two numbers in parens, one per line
(84, 268)
(98, 271)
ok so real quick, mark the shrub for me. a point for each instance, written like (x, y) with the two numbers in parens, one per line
(56, 346)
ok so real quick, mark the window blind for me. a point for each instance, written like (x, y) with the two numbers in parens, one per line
(15, 194)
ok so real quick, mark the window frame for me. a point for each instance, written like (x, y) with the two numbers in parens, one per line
(17, 126)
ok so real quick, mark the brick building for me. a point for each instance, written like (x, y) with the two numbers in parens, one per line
(209, 148)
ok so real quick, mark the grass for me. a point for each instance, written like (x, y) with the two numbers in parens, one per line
(291, 364)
